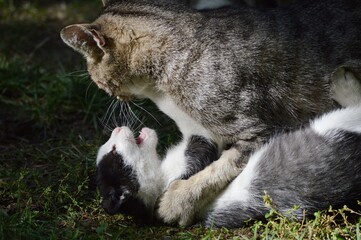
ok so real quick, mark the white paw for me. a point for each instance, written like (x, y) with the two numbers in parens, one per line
(346, 88)
(177, 204)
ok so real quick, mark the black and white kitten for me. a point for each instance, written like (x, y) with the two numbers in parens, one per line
(312, 168)
(131, 176)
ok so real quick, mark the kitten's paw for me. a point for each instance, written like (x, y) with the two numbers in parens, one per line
(177, 204)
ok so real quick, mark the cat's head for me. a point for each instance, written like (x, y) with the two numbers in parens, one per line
(120, 164)
(124, 47)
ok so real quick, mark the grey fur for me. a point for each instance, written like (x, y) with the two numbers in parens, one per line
(305, 168)
(300, 169)
(242, 74)
(200, 152)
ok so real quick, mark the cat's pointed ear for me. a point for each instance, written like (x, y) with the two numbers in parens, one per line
(84, 38)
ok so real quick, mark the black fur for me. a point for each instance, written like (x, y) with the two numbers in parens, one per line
(199, 154)
(117, 183)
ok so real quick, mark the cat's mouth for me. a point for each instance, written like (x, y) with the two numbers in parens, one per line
(142, 137)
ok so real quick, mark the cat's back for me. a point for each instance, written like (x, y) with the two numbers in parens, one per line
(303, 21)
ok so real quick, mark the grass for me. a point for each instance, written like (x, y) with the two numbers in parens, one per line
(52, 122)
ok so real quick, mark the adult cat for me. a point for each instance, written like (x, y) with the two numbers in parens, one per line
(232, 75)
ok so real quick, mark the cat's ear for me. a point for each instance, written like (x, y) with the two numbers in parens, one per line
(84, 38)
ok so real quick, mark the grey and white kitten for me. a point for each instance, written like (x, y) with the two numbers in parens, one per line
(312, 168)
(230, 75)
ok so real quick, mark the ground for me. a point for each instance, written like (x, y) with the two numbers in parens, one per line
(52, 121)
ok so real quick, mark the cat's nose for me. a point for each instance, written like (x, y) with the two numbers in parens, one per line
(117, 130)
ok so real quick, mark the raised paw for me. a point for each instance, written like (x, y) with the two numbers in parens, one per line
(177, 204)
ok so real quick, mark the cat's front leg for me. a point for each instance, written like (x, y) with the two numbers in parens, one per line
(185, 198)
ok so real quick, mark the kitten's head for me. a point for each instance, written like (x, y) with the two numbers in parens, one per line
(124, 46)
(119, 165)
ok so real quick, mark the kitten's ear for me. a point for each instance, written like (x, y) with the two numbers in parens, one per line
(84, 38)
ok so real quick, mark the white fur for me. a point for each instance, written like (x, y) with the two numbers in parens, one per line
(186, 124)
(346, 88)
(348, 119)
(107, 147)
(238, 190)
(143, 158)
(174, 163)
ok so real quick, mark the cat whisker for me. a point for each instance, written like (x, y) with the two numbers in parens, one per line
(124, 117)
(87, 89)
(106, 118)
(112, 114)
(135, 117)
(78, 73)
(143, 109)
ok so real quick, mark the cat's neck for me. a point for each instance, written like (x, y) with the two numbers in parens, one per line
(186, 124)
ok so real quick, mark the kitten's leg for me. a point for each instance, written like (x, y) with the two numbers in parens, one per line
(185, 198)
(346, 88)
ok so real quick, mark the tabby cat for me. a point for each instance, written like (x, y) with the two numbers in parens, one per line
(235, 76)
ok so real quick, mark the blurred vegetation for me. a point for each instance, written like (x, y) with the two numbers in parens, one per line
(53, 119)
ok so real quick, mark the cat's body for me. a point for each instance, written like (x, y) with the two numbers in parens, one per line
(240, 74)
(313, 168)
(231, 75)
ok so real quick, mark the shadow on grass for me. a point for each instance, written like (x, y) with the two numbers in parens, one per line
(51, 128)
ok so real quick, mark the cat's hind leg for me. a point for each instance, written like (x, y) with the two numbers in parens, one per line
(346, 88)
